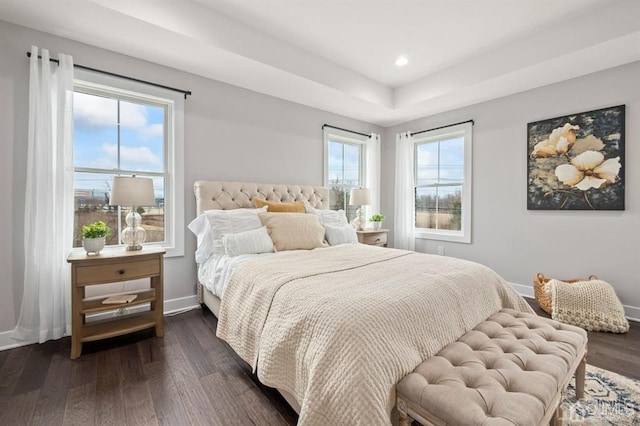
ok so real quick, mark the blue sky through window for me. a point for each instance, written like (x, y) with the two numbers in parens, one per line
(446, 155)
(96, 137)
(344, 163)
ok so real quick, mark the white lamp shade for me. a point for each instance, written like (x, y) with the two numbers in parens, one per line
(132, 191)
(360, 197)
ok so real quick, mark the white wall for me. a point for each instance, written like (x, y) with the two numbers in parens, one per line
(230, 134)
(518, 243)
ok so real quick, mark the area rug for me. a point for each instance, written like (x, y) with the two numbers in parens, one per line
(609, 399)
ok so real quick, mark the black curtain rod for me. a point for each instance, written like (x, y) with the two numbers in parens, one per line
(344, 130)
(442, 127)
(137, 80)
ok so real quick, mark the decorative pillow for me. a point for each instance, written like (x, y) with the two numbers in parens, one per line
(248, 242)
(294, 231)
(330, 217)
(293, 207)
(343, 234)
(224, 222)
(592, 305)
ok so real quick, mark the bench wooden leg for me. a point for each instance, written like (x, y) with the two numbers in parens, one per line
(580, 374)
(404, 420)
(556, 420)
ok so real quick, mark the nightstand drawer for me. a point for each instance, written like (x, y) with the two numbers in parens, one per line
(117, 271)
(375, 238)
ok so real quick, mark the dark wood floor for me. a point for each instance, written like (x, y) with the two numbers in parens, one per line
(614, 352)
(187, 377)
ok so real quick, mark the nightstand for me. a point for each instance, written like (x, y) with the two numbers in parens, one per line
(112, 266)
(373, 237)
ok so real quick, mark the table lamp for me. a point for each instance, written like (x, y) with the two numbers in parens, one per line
(359, 197)
(132, 191)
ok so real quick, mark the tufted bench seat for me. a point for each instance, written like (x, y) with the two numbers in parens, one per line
(512, 369)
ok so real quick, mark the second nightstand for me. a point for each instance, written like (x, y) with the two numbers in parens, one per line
(373, 237)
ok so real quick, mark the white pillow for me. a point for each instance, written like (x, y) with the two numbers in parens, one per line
(343, 234)
(224, 222)
(200, 227)
(330, 217)
(248, 242)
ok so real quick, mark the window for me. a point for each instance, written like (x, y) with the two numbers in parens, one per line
(126, 132)
(442, 179)
(344, 168)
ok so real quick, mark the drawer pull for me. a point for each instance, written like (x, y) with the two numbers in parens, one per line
(121, 271)
(378, 240)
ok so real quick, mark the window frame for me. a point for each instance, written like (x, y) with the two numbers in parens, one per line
(330, 134)
(130, 91)
(466, 131)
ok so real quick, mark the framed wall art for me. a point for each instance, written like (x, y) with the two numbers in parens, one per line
(576, 162)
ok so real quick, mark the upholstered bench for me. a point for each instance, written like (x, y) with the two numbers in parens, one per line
(512, 369)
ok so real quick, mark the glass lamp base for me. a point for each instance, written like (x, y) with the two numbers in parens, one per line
(359, 220)
(133, 235)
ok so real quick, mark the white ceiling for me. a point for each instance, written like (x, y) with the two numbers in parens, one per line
(338, 55)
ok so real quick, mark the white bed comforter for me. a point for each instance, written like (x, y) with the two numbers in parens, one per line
(338, 327)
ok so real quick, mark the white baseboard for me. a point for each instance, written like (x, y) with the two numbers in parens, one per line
(523, 290)
(182, 304)
(8, 342)
(631, 312)
(171, 307)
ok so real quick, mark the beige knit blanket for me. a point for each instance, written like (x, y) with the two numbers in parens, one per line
(338, 327)
(592, 305)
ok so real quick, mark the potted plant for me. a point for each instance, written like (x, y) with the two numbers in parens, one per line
(376, 220)
(93, 236)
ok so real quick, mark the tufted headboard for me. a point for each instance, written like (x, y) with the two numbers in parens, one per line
(235, 195)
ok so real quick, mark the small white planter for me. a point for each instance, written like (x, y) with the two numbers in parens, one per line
(376, 225)
(93, 245)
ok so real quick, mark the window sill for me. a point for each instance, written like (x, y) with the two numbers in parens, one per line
(455, 237)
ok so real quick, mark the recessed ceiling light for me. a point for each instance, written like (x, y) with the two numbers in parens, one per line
(402, 61)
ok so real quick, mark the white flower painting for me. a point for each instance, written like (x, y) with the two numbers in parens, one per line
(589, 170)
(577, 162)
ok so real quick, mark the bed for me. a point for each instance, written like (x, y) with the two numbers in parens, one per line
(335, 328)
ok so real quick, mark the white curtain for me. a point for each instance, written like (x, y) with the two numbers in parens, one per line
(48, 228)
(404, 219)
(372, 180)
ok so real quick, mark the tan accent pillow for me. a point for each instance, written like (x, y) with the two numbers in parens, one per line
(294, 231)
(272, 207)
